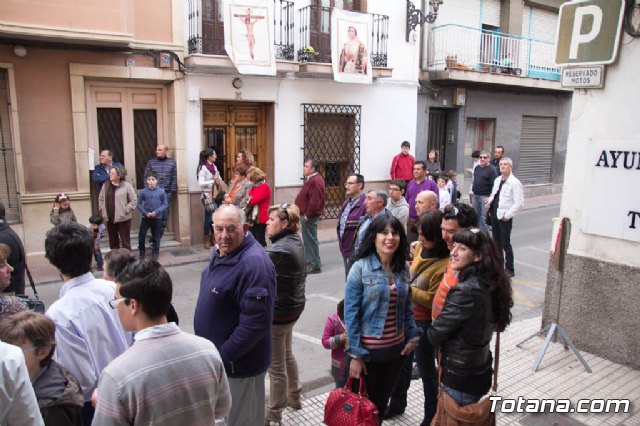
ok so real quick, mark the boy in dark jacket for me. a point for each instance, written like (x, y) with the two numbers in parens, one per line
(152, 202)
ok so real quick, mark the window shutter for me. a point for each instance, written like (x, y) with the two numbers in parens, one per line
(536, 150)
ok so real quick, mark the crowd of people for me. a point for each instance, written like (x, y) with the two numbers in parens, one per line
(423, 281)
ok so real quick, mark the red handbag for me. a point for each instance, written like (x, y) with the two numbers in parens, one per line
(345, 408)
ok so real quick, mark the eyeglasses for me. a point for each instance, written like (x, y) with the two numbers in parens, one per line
(484, 156)
(394, 189)
(283, 208)
(349, 183)
(115, 302)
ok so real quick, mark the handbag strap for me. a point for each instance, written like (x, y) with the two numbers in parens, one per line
(33, 286)
(496, 363)
(362, 389)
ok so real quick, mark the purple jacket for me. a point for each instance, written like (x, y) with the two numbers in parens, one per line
(235, 308)
(413, 189)
(348, 238)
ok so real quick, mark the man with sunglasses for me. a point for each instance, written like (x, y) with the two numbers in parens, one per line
(483, 177)
(84, 321)
(310, 201)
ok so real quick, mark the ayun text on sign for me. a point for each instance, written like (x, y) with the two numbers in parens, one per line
(611, 199)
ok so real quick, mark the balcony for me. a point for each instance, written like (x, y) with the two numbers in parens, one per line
(315, 31)
(206, 37)
(461, 53)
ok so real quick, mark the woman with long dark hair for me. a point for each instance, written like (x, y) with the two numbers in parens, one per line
(476, 307)
(210, 184)
(377, 310)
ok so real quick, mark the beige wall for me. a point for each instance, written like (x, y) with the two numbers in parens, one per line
(119, 21)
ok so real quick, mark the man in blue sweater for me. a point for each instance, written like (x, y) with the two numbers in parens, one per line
(235, 311)
(152, 202)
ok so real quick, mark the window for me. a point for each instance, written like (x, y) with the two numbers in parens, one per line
(8, 181)
(332, 137)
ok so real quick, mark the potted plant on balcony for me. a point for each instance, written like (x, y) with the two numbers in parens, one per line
(451, 60)
(306, 54)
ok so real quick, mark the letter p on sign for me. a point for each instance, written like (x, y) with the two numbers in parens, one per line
(589, 32)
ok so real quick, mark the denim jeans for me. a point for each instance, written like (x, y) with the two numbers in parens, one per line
(481, 211)
(156, 230)
(501, 230)
(461, 398)
(310, 240)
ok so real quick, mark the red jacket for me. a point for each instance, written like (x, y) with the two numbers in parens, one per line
(310, 200)
(261, 195)
(402, 167)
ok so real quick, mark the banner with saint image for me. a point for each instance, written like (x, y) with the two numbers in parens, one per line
(248, 35)
(350, 42)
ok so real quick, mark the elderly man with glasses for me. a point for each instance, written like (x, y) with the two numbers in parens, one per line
(483, 177)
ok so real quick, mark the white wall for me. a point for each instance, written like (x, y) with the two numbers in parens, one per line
(388, 116)
(389, 106)
(609, 113)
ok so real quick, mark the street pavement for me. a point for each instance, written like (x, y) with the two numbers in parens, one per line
(560, 375)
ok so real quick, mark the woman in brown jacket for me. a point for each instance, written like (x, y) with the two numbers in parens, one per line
(117, 201)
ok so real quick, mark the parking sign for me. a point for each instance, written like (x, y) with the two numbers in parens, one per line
(589, 32)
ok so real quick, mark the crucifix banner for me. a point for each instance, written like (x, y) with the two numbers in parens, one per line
(248, 35)
(350, 43)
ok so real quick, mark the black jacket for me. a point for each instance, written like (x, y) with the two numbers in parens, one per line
(463, 331)
(9, 237)
(287, 254)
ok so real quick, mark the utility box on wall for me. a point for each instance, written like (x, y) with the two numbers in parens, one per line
(459, 96)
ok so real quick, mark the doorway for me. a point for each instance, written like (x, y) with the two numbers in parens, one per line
(233, 126)
(129, 122)
(437, 133)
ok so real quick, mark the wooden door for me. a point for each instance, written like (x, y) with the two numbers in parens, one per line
(230, 127)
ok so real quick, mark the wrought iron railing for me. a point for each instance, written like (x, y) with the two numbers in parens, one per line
(460, 47)
(332, 137)
(206, 28)
(315, 32)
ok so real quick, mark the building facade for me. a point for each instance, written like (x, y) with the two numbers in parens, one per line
(488, 78)
(76, 80)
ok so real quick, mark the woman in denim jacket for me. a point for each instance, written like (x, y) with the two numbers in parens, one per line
(378, 314)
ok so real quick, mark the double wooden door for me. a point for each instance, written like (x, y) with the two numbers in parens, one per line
(230, 127)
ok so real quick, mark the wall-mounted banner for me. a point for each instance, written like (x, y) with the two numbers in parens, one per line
(248, 35)
(611, 196)
(350, 42)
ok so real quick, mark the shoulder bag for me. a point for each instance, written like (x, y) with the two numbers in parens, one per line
(450, 413)
(33, 303)
(208, 203)
(345, 408)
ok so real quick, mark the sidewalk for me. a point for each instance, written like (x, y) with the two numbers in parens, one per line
(177, 255)
(560, 376)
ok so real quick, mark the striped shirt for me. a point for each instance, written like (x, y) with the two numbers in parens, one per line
(389, 336)
(451, 279)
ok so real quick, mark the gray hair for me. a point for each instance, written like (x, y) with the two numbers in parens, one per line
(234, 210)
(120, 171)
(382, 196)
(507, 160)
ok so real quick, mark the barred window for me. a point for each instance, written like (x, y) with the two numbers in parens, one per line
(8, 181)
(332, 137)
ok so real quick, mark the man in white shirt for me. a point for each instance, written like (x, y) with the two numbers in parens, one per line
(88, 333)
(18, 404)
(506, 200)
(168, 377)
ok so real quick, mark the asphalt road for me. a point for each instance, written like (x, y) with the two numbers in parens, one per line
(531, 239)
